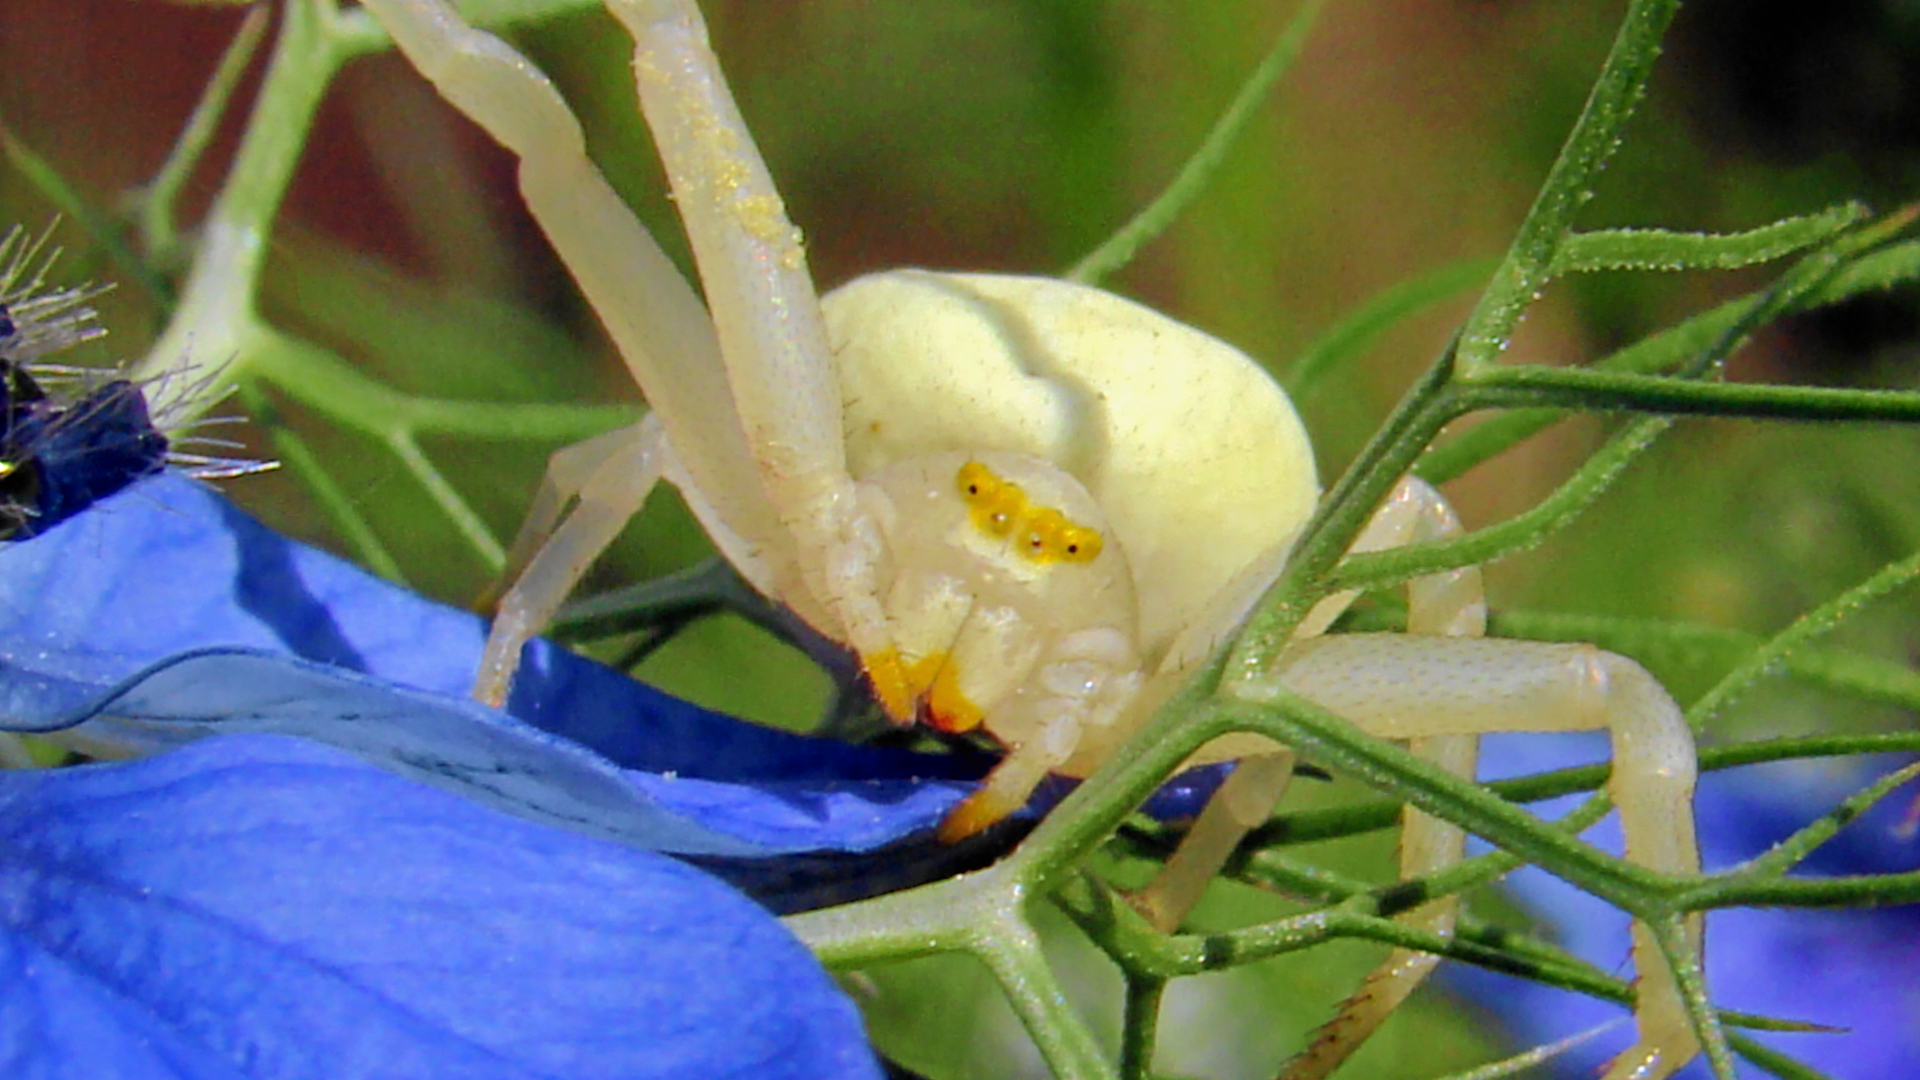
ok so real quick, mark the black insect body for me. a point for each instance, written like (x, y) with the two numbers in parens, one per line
(67, 438)
(59, 454)
(19, 473)
(59, 457)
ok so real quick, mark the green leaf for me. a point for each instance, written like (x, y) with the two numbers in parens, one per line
(1662, 249)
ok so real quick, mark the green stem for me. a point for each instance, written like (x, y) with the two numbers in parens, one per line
(1200, 169)
(1139, 1023)
(1323, 737)
(216, 312)
(1597, 391)
(1663, 249)
(1804, 629)
(1529, 261)
(359, 33)
(984, 914)
(466, 521)
(1790, 852)
(1774, 1061)
(1660, 642)
(1422, 412)
(1372, 570)
(319, 379)
(299, 458)
(1676, 943)
(1011, 950)
(103, 230)
(1360, 328)
(1309, 826)
(1848, 268)
(162, 195)
(1854, 891)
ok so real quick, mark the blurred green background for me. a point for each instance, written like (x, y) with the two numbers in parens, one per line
(1014, 135)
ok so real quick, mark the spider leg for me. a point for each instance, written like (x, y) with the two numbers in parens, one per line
(568, 470)
(1411, 687)
(1244, 801)
(590, 491)
(1450, 603)
(767, 317)
(1084, 685)
(661, 328)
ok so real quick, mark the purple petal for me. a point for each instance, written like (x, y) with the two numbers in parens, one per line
(1857, 970)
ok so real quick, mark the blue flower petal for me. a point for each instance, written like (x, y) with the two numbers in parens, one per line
(484, 755)
(179, 616)
(269, 908)
(165, 614)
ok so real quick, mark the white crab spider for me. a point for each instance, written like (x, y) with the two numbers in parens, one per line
(1022, 503)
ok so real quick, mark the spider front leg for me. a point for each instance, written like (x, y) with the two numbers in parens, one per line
(1410, 687)
(746, 398)
(771, 333)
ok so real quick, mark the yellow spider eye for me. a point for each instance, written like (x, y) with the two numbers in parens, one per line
(1000, 509)
(997, 505)
(1079, 544)
(1044, 529)
(977, 481)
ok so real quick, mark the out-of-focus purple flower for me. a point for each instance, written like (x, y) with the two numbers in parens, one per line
(1857, 970)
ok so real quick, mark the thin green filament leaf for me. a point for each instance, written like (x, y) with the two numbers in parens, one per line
(1119, 249)
(1662, 249)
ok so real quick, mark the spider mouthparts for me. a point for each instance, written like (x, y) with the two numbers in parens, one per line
(891, 687)
(926, 689)
(978, 812)
(948, 708)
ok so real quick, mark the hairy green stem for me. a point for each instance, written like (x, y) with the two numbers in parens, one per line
(1589, 390)
(1569, 184)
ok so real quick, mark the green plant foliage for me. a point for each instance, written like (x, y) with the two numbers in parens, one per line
(412, 410)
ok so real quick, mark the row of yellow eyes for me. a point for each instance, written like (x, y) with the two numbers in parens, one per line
(1042, 534)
